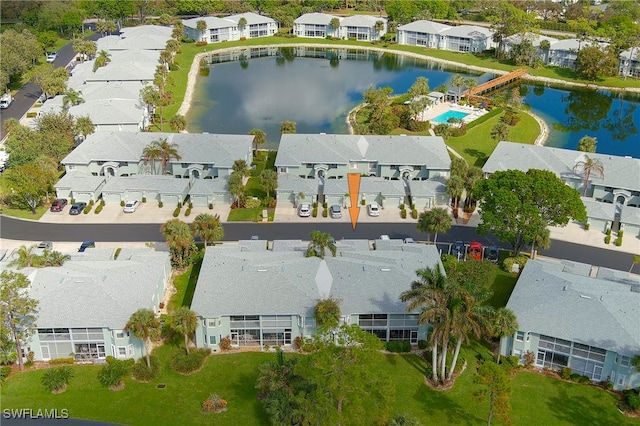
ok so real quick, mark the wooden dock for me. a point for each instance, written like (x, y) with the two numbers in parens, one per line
(495, 83)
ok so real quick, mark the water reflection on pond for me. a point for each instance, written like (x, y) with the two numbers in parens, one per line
(315, 87)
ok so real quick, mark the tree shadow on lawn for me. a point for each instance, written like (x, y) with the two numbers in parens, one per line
(481, 157)
(573, 409)
(443, 407)
(417, 363)
(240, 387)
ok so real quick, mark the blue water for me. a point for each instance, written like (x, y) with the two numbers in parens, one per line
(444, 118)
(317, 93)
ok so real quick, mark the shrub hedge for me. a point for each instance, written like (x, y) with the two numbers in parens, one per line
(57, 361)
(397, 346)
(187, 364)
(142, 373)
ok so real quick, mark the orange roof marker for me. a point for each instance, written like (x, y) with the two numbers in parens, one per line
(354, 190)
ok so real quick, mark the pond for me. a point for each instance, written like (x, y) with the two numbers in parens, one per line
(315, 87)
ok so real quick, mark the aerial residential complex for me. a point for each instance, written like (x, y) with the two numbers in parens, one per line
(228, 28)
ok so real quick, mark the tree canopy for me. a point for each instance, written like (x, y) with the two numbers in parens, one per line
(514, 205)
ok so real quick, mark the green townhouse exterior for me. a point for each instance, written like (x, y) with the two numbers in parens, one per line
(262, 293)
(578, 316)
(84, 305)
(395, 169)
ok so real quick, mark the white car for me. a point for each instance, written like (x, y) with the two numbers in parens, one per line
(373, 209)
(304, 210)
(131, 206)
(51, 57)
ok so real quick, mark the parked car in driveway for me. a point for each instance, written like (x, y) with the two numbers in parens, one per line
(304, 210)
(475, 250)
(45, 245)
(458, 250)
(373, 209)
(131, 206)
(85, 245)
(52, 56)
(335, 211)
(491, 254)
(58, 205)
(77, 208)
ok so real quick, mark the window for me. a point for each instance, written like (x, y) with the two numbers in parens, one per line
(122, 351)
(620, 380)
(353, 165)
(520, 336)
(625, 361)
(212, 340)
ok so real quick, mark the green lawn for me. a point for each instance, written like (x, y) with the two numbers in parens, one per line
(502, 286)
(249, 215)
(185, 285)
(24, 214)
(477, 145)
(536, 399)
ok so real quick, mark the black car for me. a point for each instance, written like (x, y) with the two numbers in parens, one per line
(85, 245)
(458, 250)
(77, 208)
(491, 254)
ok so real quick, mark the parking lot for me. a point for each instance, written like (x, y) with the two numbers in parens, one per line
(288, 213)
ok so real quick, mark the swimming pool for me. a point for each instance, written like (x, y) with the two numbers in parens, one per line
(443, 118)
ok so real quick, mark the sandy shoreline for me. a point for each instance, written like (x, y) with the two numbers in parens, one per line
(544, 128)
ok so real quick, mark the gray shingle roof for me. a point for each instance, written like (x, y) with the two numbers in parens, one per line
(111, 90)
(221, 150)
(559, 299)
(361, 21)
(127, 65)
(290, 183)
(284, 281)
(208, 186)
(468, 31)
(619, 172)
(161, 184)
(80, 182)
(98, 293)
(422, 26)
(110, 111)
(535, 39)
(296, 149)
(315, 19)
(211, 21)
(252, 18)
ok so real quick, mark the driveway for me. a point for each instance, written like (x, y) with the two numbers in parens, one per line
(288, 213)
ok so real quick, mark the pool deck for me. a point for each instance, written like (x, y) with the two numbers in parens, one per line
(436, 110)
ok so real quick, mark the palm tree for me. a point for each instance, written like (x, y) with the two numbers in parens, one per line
(84, 126)
(541, 237)
(587, 166)
(185, 322)
(54, 258)
(587, 144)
(235, 186)
(101, 60)
(178, 123)
(500, 132)
(378, 26)
(455, 186)
(319, 242)
(173, 46)
(636, 259)
(201, 26)
(269, 180)
(458, 81)
(71, 98)
(470, 84)
(471, 178)
(208, 227)
(168, 151)
(259, 138)
(25, 257)
(241, 167)
(427, 294)
(504, 323)
(180, 241)
(335, 25)
(288, 126)
(144, 325)
(242, 22)
(436, 220)
(151, 152)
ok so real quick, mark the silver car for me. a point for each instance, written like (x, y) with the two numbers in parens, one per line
(304, 210)
(335, 211)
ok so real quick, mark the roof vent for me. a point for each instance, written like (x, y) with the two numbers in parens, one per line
(585, 297)
(564, 288)
(262, 270)
(385, 269)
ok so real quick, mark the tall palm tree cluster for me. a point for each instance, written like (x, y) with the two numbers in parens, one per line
(26, 258)
(462, 180)
(456, 310)
(160, 150)
(236, 182)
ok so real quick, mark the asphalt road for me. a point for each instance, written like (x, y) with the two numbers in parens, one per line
(30, 92)
(16, 229)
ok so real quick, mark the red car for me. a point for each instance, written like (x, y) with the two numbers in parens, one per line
(58, 205)
(475, 250)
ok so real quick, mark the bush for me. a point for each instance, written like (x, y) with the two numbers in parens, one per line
(587, 226)
(325, 212)
(179, 205)
(575, 377)
(225, 343)
(325, 205)
(396, 346)
(186, 39)
(507, 264)
(187, 212)
(449, 261)
(210, 206)
(98, 209)
(252, 203)
(160, 204)
(190, 205)
(298, 342)
(607, 239)
(243, 39)
(403, 213)
(315, 205)
(57, 361)
(91, 203)
(620, 233)
(584, 380)
(633, 400)
(176, 212)
(510, 362)
(269, 202)
(565, 373)
(608, 231)
(87, 209)
(4, 372)
(200, 43)
(619, 241)
(57, 379)
(402, 207)
(187, 364)
(122, 203)
(144, 199)
(142, 373)
(314, 212)
(73, 201)
(423, 344)
(484, 356)
(111, 374)
(414, 213)
(418, 126)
